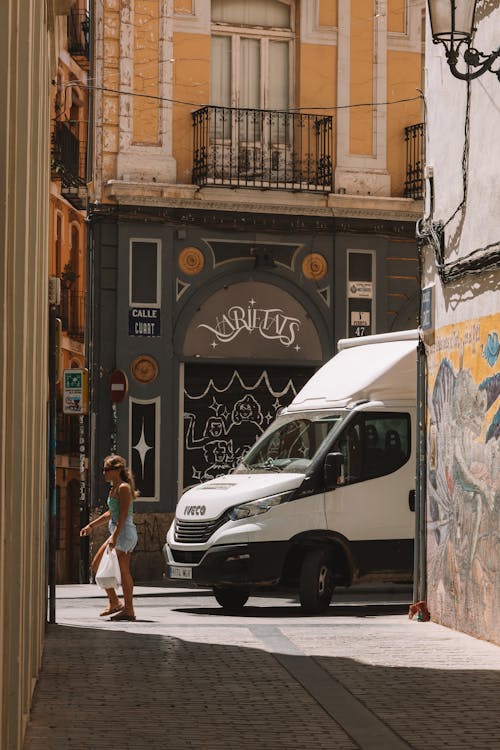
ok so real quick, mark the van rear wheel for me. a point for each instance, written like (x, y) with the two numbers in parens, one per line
(231, 599)
(316, 582)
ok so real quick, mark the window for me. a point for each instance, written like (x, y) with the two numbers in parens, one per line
(144, 451)
(145, 282)
(270, 13)
(374, 445)
(291, 443)
(250, 64)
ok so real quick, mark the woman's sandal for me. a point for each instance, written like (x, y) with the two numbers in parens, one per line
(111, 610)
(123, 617)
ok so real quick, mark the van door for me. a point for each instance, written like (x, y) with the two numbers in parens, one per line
(373, 503)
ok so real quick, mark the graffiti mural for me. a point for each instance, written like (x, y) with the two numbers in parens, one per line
(227, 409)
(464, 477)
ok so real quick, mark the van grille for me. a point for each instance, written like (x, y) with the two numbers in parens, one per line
(197, 532)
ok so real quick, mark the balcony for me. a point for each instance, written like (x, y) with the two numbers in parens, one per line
(69, 146)
(262, 149)
(79, 37)
(415, 160)
(72, 313)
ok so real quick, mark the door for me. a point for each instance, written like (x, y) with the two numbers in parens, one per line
(227, 408)
(372, 504)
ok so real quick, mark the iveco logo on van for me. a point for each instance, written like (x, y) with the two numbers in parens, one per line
(195, 510)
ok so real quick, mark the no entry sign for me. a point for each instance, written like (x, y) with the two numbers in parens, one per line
(118, 386)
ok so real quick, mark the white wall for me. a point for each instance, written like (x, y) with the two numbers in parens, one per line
(463, 350)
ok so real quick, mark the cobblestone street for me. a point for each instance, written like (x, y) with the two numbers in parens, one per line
(186, 676)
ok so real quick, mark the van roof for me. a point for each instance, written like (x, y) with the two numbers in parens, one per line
(375, 368)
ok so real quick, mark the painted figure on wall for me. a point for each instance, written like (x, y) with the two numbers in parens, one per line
(464, 488)
(227, 410)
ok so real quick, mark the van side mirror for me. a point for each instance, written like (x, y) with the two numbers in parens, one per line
(332, 469)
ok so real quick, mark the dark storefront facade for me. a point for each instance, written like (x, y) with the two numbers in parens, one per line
(217, 319)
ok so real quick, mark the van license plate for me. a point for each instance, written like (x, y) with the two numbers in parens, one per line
(180, 571)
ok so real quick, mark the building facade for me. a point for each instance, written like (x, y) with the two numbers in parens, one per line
(29, 36)
(256, 182)
(67, 236)
(461, 327)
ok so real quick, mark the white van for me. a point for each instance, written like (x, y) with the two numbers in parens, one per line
(325, 497)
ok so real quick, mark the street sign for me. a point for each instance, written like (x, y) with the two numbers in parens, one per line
(75, 391)
(118, 386)
(427, 309)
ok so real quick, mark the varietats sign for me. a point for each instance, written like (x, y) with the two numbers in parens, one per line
(253, 319)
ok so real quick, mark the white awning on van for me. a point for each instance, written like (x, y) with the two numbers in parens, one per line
(376, 368)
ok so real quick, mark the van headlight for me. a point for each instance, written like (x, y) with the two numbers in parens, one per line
(256, 507)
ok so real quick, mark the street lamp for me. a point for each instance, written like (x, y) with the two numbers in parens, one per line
(452, 24)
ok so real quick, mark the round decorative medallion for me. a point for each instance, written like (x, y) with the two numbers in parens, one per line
(144, 368)
(314, 266)
(191, 261)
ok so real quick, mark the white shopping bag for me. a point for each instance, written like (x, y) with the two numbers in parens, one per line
(108, 574)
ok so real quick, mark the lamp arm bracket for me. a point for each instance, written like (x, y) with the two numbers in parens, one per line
(472, 57)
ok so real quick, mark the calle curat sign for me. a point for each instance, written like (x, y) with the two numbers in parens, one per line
(144, 321)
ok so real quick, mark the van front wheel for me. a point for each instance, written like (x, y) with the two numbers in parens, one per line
(316, 581)
(232, 599)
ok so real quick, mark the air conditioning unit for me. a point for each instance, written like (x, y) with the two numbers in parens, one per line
(54, 290)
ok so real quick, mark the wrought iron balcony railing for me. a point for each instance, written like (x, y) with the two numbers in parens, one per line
(72, 313)
(256, 148)
(69, 159)
(79, 36)
(415, 160)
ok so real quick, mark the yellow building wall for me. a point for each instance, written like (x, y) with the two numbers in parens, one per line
(183, 6)
(317, 78)
(191, 91)
(146, 111)
(317, 81)
(361, 84)
(396, 16)
(403, 81)
(328, 13)
(110, 66)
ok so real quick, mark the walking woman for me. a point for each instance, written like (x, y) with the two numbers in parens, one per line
(123, 533)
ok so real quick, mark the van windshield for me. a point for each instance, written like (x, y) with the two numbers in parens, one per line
(290, 443)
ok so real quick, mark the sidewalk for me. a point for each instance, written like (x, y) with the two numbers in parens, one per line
(185, 676)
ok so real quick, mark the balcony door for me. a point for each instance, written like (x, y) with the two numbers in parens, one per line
(251, 83)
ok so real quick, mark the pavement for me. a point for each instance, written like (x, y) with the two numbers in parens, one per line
(186, 675)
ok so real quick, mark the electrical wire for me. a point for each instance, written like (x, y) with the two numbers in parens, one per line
(432, 233)
(171, 100)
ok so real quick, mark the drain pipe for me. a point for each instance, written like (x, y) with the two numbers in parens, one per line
(420, 547)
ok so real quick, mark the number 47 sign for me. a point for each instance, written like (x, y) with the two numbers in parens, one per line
(75, 391)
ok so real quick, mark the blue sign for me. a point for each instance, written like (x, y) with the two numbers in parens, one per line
(426, 321)
(144, 321)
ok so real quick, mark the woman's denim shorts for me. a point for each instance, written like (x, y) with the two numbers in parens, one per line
(127, 538)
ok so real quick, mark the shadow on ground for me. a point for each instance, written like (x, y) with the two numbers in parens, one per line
(102, 688)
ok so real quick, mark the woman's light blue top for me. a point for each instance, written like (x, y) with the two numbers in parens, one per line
(114, 507)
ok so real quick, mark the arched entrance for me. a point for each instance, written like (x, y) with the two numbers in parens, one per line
(248, 350)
